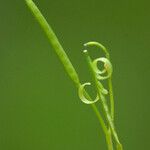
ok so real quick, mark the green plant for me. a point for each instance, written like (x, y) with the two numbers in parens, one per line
(97, 75)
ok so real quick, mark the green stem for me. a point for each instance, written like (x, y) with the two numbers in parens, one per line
(61, 54)
(68, 65)
(98, 114)
(101, 121)
(108, 133)
(103, 100)
(109, 80)
(109, 119)
(111, 97)
(109, 140)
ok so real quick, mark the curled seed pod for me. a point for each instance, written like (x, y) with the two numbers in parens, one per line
(107, 68)
(93, 43)
(82, 97)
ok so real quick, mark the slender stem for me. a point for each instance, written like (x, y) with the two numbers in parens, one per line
(103, 100)
(98, 114)
(93, 43)
(72, 72)
(109, 80)
(101, 121)
(108, 133)
(61, 54)
(111, 97)
(109, 119)
(109, 140)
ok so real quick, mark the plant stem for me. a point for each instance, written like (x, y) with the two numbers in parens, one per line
(111, 98)
(61, 54)
(109, 140)
(92, 43)
(101, 121)
(110, 122)
(100, 118)
(74, 76)
(108, 132)
(103, 101)
(104, 127)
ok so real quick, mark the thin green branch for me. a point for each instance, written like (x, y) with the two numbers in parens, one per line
(102, 99)
(61, 54)
(109, 140)
(107, 133)
(111, 97)
(104, 49)
(59, 51)
(74, 76)
(101, 121)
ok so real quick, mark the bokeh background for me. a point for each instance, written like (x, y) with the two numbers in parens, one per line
(39, 105)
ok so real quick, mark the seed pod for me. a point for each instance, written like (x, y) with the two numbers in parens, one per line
(54, 42)
(82, 97)
(107, 68)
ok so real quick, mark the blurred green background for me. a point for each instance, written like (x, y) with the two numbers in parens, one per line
(39, 105)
